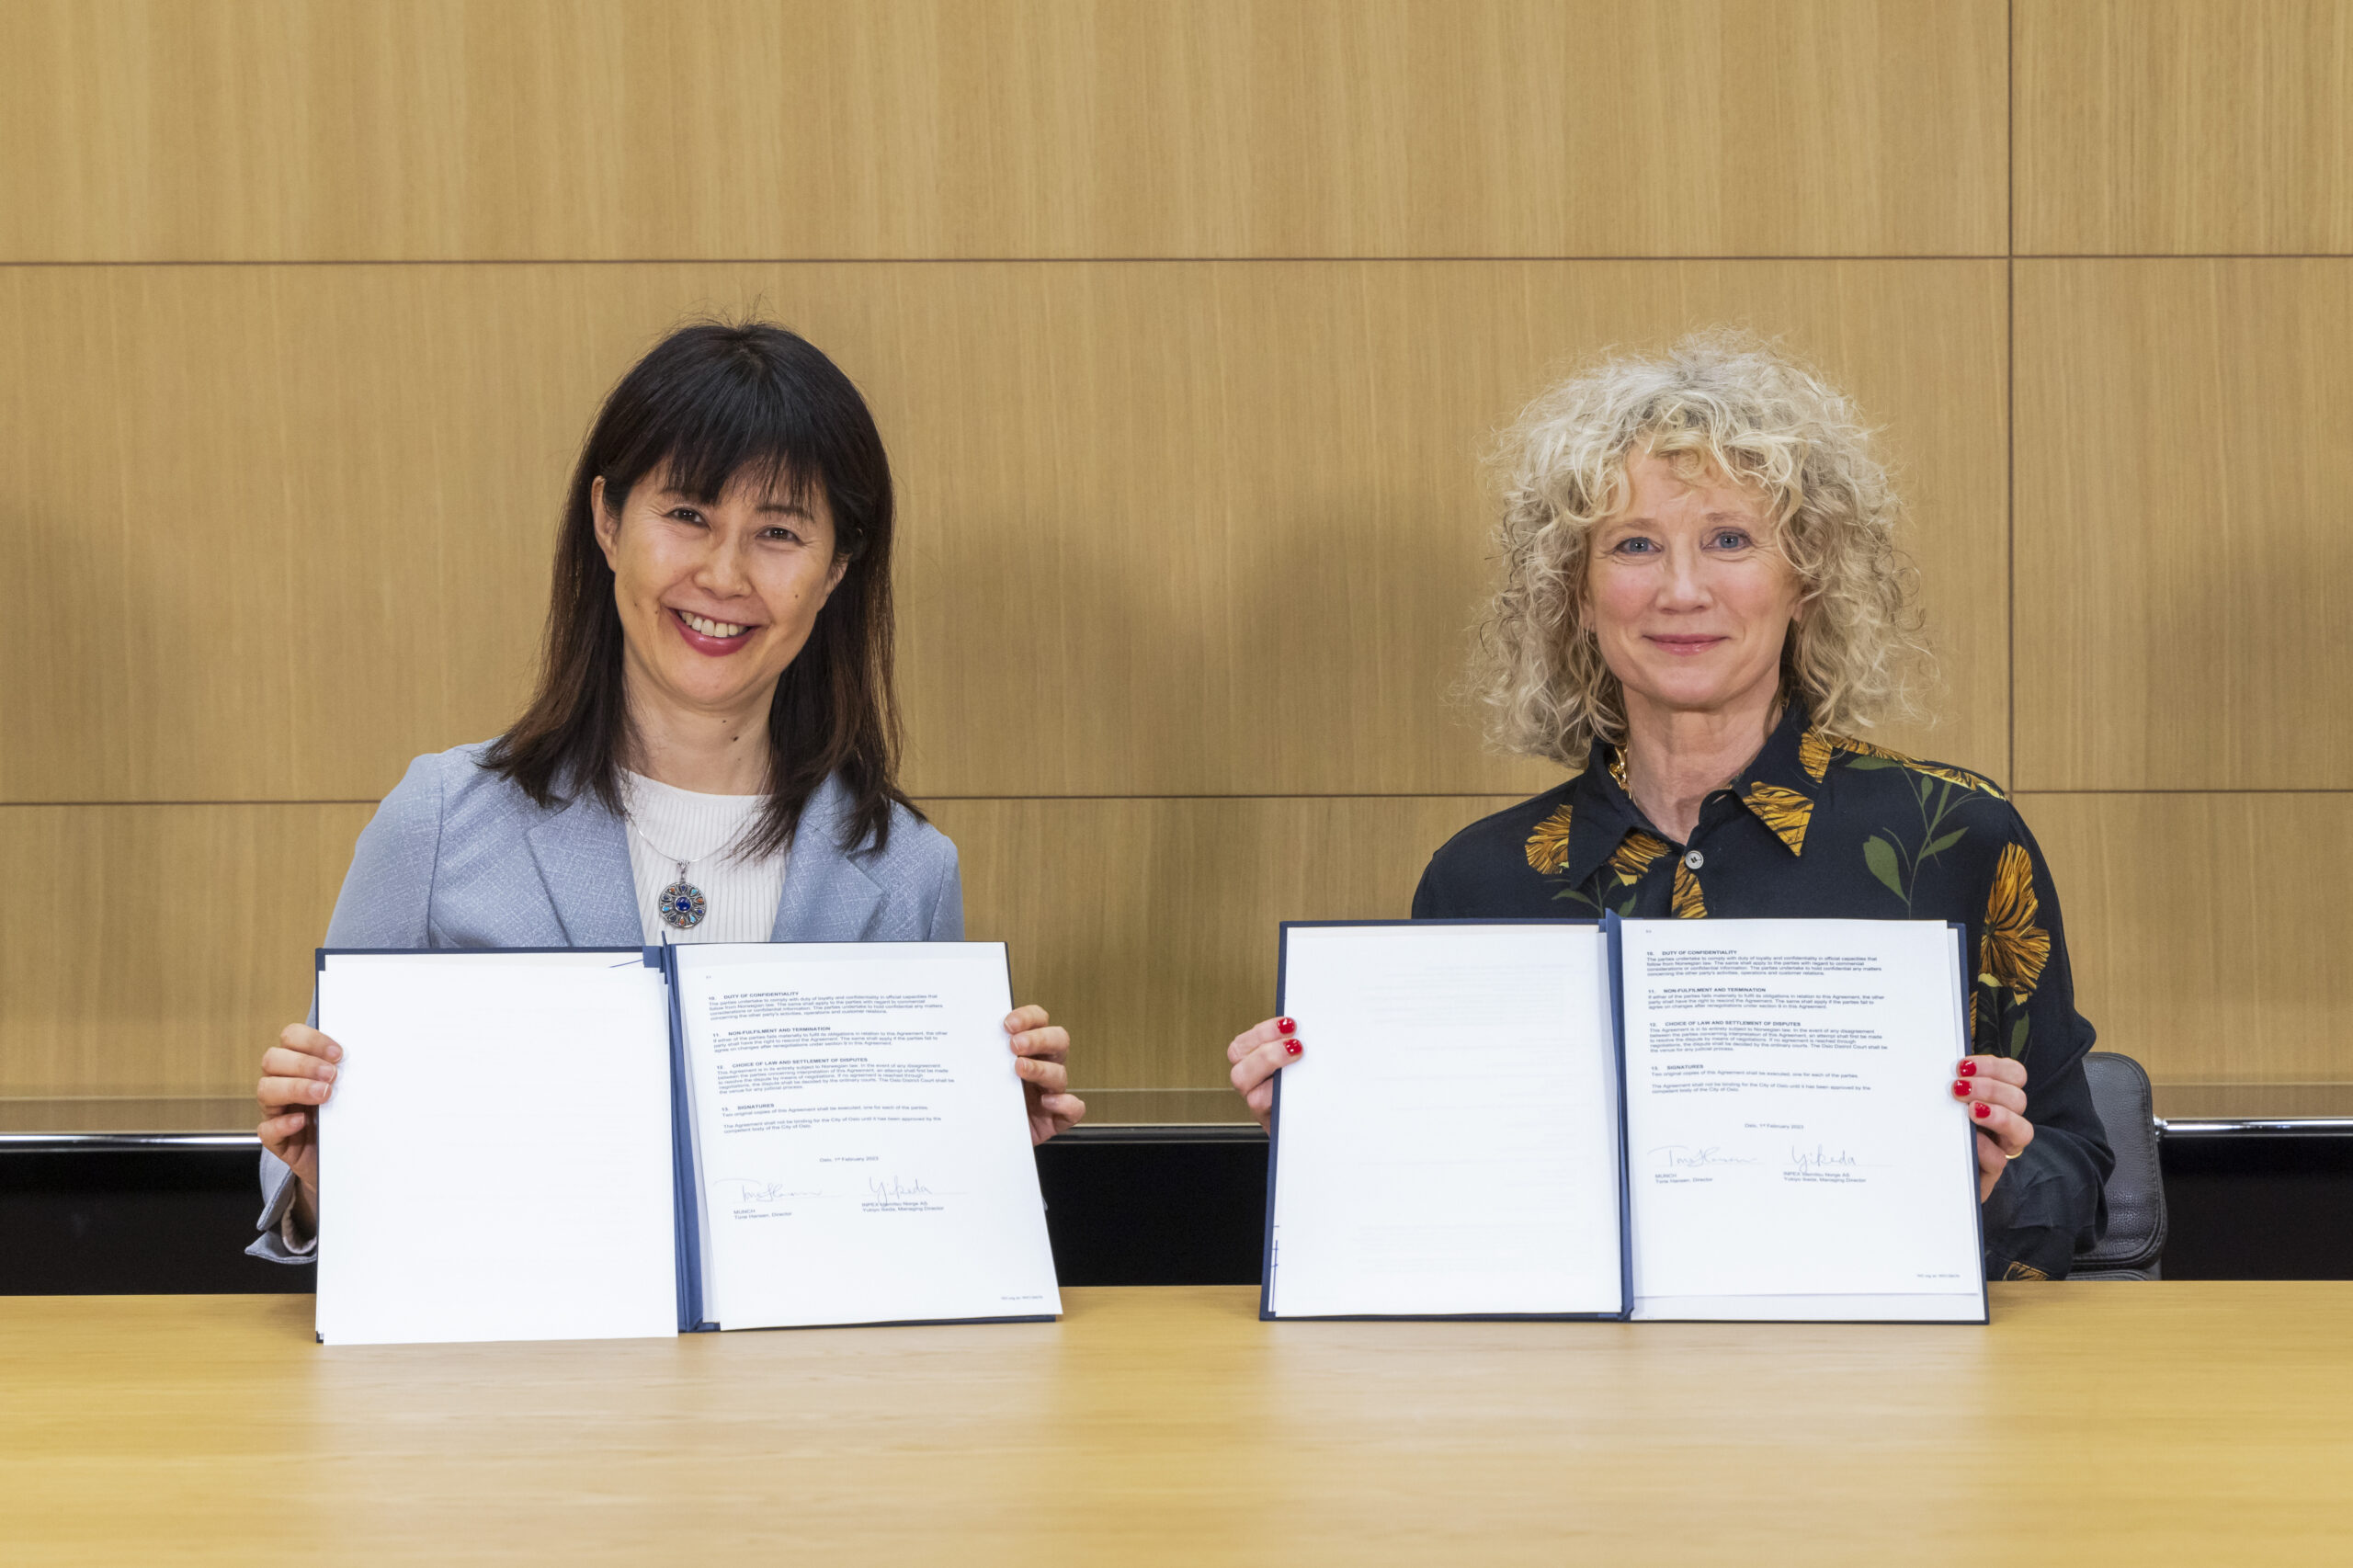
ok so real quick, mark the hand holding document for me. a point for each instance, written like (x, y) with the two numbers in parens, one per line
(718, 1136)
(1716, 1118)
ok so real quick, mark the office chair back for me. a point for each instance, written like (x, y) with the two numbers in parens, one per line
(2135, 1243)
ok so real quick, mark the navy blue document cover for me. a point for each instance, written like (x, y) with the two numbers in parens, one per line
(692, 1317)
(1615, 936)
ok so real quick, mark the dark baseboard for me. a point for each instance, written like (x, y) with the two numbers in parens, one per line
(154, 1220)
(2251, 1206)
(1125, 1206)
(1157, 1206)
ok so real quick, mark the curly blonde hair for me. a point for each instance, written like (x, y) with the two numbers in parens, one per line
(1716, 401)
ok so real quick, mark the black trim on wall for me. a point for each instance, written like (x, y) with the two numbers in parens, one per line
(1156, 1205)
(2253, 1206)
(1124, 1206)
(154, 1220)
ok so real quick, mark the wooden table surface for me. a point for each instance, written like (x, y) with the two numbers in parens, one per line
(2159, 1423)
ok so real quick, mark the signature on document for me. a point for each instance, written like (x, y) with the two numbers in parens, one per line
(1691, 1156)
(748, 1191)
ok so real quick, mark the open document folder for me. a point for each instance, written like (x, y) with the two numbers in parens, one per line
(600, 1144)
(1650, 1119)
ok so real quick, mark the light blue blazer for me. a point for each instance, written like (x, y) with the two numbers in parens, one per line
(459, 857)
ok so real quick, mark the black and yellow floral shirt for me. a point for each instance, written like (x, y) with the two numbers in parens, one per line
(1819, 827)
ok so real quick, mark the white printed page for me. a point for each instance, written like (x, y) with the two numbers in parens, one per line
(861, 1133)
(1794, 1148)
(542, 1208)
(1448, 1142)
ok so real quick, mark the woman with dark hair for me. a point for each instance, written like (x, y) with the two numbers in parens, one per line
(711, 753)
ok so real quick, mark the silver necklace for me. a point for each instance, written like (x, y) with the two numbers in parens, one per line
(681, 906)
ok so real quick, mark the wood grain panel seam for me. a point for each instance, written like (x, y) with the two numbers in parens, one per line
(1190, 260)
(2010, 393)
(53, 805)
(1352, 795)
(2181, 255)
(2029, 789)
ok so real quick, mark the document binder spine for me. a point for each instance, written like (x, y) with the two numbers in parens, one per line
(1960, 1002)
(1613, 934)
(682, 1154)
(1274, 1119)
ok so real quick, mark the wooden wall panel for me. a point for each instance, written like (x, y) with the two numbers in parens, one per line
(568, 130)
(2181, 542)
(1149, 927)
(2201, 946)
(150, 951)
(2170, 127)
(1171, 529)
(1192, 543)
(2208, 930)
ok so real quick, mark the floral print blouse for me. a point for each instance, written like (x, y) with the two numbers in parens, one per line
(1822, 826)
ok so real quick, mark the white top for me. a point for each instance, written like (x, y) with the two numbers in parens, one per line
(666, 826)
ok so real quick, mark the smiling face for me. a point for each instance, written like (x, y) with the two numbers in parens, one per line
(1688, 600)
(715, 598)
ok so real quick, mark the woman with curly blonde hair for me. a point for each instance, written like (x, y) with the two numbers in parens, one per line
(1701, 612)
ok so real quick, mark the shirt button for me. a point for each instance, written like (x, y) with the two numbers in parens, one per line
(1695, 859)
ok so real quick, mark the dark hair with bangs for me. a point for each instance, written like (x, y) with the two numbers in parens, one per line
(723, 403)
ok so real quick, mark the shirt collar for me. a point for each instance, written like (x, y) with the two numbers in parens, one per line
(1780, 783)
(1601, 815)
(1778, 787)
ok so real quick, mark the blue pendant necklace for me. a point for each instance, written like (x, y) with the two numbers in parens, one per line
(681, 906)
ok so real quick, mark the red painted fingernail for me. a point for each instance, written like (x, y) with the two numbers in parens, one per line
(1286, 1025)
(1969, 1069)
(1290, 1047)
(1982, 1111)
(1960, 1089)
